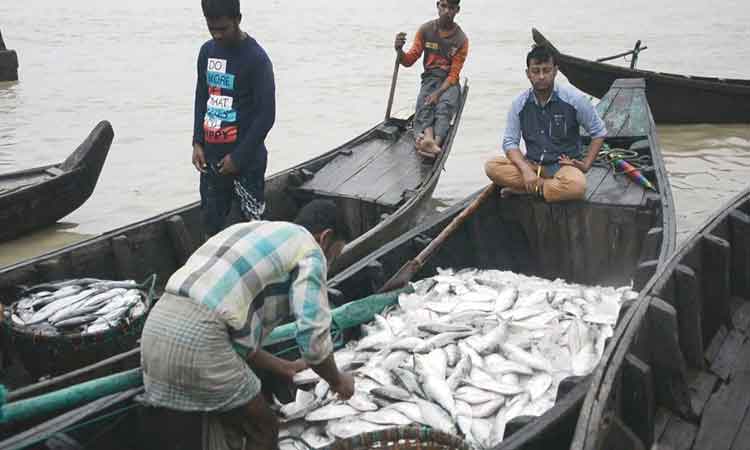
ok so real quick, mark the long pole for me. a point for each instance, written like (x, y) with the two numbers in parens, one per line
(393, 87)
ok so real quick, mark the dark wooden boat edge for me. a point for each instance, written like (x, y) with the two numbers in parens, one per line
(721, 100)
(594, 416)
(710, 83)
(74, 183)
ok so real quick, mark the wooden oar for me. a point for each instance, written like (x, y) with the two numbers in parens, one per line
(393, 87)
(411, 267)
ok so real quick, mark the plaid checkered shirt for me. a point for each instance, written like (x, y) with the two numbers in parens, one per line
(254, 275)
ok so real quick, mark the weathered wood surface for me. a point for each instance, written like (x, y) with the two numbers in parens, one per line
(689, 315)
(724, 414)
(639, 402)
(716, 281)
(678, 435)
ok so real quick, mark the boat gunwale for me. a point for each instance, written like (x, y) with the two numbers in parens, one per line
(713, 84)
(588, 421)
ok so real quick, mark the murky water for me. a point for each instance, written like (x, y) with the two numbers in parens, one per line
(133, 63)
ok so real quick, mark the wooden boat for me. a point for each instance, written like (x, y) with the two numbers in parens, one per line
(378, 178)
(35, 198)
(619, 233)
(678, 376)
(673, 98)
(8, 63)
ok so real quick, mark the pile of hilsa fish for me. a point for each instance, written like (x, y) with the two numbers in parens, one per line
(464, 354)
(87, 306)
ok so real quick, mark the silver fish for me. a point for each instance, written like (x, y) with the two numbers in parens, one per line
(463, 369)
(386, 416)
(410, 410)
(361, 401)
(330, 412)
(316, 437)
(538, 385)
(453, 354)
(495, 363)
(521, 356)
(435, 417)
(393, 393)
(408, 380)
(351, 426)
(475, 396)
(439, 328)
(506, 299)
(487, 409)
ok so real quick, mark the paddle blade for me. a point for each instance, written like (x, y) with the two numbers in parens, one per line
(402, 277)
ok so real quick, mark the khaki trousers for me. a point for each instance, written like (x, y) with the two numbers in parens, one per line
(568, 183)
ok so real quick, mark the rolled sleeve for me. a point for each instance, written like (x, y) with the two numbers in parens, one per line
(308, 299)
(590, 119)
(512, 134)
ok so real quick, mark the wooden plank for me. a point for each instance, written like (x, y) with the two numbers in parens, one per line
(679, 434)
(644, 272)
(605, 103)
(702, 385)
(52, 269)
(689, 316)
(638, 123)
(716, 288)
(661, 420)
(637, 400)
(720, 228)
(618, 436)
(725, 360)
(618, 113)
(672, 391)
(388, 168)
(594, 178)
(182, 241)
(663, 326)
(724, 414)
(741, 317)
(634, 195)
(739, 225)
(345, 165)
(664, 288)
(716, 342)
(652, 244)
(611, 190)
(125, 262)
(743, 435)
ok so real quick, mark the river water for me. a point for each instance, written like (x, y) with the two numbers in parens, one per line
(133, 63)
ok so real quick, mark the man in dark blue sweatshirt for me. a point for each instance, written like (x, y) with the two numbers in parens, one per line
(235, 108)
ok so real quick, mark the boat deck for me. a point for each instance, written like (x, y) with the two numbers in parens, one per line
(381, 169)
(604, 186)
(720, 394)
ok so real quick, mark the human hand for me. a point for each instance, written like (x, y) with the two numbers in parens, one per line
(400, 41)
(199, 158)
(433, 98)
(291, 368)
(565, 160)
(344, 386)
(530, 180)
(227, 167)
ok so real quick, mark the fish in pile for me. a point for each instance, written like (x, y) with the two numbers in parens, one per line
(465, 353)
(85, 305)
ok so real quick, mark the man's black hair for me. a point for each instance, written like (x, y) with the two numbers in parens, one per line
(213, 9)
(541, 53)
(454, 2)
(319, 215)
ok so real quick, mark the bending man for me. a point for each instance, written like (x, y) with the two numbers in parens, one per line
(210, 323)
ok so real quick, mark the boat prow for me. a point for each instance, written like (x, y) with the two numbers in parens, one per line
(34, 198)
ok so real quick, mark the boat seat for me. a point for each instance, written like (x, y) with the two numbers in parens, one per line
(382, 169)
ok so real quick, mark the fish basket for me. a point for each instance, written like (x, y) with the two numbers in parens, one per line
(403, 438)
(43, 355)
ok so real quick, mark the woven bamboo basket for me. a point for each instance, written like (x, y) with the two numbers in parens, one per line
(43, 355)
(403, 438)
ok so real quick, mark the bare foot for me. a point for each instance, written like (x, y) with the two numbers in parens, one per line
(419, 141)
(430, 146)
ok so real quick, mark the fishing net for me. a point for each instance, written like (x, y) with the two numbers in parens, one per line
(43, 354)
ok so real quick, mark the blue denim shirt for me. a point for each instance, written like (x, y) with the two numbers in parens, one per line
(553, 129)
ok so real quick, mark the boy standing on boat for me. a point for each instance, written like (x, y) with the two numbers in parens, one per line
(548, 117)
(210, 323)
(235, 108)
(445, 48)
